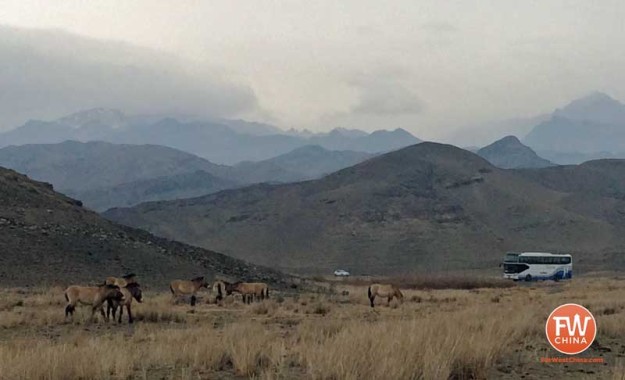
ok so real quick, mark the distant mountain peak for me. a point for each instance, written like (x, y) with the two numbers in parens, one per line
(105, 116)
(596, 106)
(510, 153)
(508, 141)
(349, 132)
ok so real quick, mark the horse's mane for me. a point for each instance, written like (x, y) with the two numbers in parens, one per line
(201, 278)
(129, 275)
(132, 285)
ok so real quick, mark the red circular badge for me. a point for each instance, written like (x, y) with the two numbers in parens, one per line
(571, 329)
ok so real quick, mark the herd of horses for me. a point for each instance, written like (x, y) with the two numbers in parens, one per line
(118, 293)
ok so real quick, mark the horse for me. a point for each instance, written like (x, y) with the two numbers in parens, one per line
(121, 282)
(219, 286)
(91, 295)
(249, 290)
(385, 291)
(130, 291)
(186, 287)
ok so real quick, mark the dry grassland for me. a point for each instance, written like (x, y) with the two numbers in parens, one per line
(473, 333)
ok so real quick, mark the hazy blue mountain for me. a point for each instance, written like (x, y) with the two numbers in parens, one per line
(77, 166)
(105, 175)
(307, 162)
(574, 158)
(510, 153)
(586, 126)
(480, 134)
(221, 141)
(251, 128)
(375, 142)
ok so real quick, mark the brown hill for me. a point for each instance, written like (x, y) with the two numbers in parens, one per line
(425, 207)
(46, 237)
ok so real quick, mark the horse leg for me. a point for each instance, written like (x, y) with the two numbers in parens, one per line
(388, 301)
(69, 310)
(121, 312)
(193, 300)
(94, 309)
(130, 320)
(371, 299)
(104, 316)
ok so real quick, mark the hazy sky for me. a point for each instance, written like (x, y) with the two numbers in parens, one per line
(427, 66)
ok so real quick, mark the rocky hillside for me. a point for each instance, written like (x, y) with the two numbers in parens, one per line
(426, 207)
(183, 185)
(510, 153)
(46, 238)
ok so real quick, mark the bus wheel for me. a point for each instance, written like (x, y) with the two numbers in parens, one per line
(528, 277)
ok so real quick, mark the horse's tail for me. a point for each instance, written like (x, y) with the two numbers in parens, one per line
(66, 297)
(267, 292)
(171, 289)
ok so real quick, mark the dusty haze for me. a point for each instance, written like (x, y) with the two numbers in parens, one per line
(437, 70)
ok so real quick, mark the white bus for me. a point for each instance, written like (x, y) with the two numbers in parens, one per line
(533, 266)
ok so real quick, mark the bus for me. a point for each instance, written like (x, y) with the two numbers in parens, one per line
(534, 266)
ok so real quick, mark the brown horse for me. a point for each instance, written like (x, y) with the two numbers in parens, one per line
(249, 290)
(385, 291)
(185, 287)
(95, 296)
(130, 291)
(121, 282)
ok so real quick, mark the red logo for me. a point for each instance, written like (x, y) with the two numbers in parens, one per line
(571, 329)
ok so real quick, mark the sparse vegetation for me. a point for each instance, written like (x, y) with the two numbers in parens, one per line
(444, 333)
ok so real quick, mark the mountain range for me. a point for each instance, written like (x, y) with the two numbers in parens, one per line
(220, 141)
(105, 175)
(48, 238)
(427, 207)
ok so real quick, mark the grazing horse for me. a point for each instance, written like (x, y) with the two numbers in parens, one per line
(249, 290)
(186, 287)
(121, 282)
(91, 295)
(219, 287)
(130, 291)
(384, 291)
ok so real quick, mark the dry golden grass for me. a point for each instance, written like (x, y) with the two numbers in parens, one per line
(434, 334)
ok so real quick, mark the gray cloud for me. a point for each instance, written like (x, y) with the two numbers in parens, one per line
(49, 73)
(385, 91)
(380, 97)
(439, 27)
